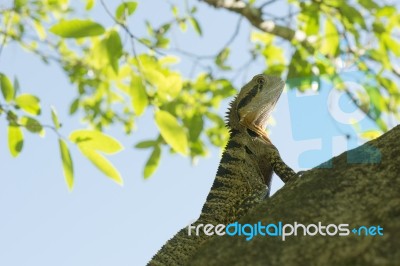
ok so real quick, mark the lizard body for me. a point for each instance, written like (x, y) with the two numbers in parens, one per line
(244, 174)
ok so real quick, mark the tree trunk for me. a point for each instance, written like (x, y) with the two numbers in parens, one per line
(362, 188)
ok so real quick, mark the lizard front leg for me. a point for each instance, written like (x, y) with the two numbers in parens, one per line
(281, 168)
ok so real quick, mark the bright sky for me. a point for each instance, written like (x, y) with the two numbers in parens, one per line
(100, 223)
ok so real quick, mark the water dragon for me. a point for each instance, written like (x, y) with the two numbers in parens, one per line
(244, 174)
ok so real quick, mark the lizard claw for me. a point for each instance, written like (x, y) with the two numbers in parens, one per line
(296, 176)
(300, 173)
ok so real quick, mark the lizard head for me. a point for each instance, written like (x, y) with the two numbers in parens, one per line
(255, 102)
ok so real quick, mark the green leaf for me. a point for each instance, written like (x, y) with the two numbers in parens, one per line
(29, 103)
(389, 85)
(89, 4)
(77, 28)
(168, 60)
(193, 10)
(215, 118)
(299, 70)
(146, 144)
(198, 148)
(114, 49)
(310, 18)
(273, 55)
(353, 15)
(370, 134)
(20, 3)
(31, 124)
(312, 25)
(12, 117)
(153, 75)
(381, 55)
(368, 4)
(74, 106)
(55, 119)
(95, 140)
(16, 85)
(7, 88)
(138, 95)
(330, 42)
(386, 11)
(182, 25)
(381, 124)
(196, 25)
(195, 127)
(125, 9)
(90, 142)
(152, 162)
(221, 58)
(171, 86)
(98, 55)
(172, 132)
(392, 44)
(149, 28)
(377, 99)
(175, 11)
(102, 164)
(40, 30)
(378, 27)
(68, 167)
(162, 42)
(15, 140)
(264, 38)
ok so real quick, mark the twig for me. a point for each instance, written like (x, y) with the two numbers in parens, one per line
(243, 68)
(132, 38)
(3, 43)
(267, 3)
(190, 54)
(127, 30)
(254, 17)
(355, 102)
(235, 33)
(6, 109)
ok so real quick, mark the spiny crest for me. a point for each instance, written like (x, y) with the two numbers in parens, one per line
(229, 111)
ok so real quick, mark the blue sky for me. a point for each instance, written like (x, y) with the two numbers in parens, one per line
(100, 223)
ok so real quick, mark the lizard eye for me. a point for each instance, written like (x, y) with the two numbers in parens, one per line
(260, 80)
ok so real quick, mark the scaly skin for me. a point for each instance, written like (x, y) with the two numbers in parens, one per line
(244, 173)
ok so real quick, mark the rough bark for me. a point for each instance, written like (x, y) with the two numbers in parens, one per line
(254, 16)
(361, 188)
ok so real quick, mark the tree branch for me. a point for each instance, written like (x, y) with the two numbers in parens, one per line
(254, 16)
(268, 3)
(360, 188)
(128, 31)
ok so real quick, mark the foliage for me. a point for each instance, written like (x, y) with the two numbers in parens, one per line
(116, 84)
